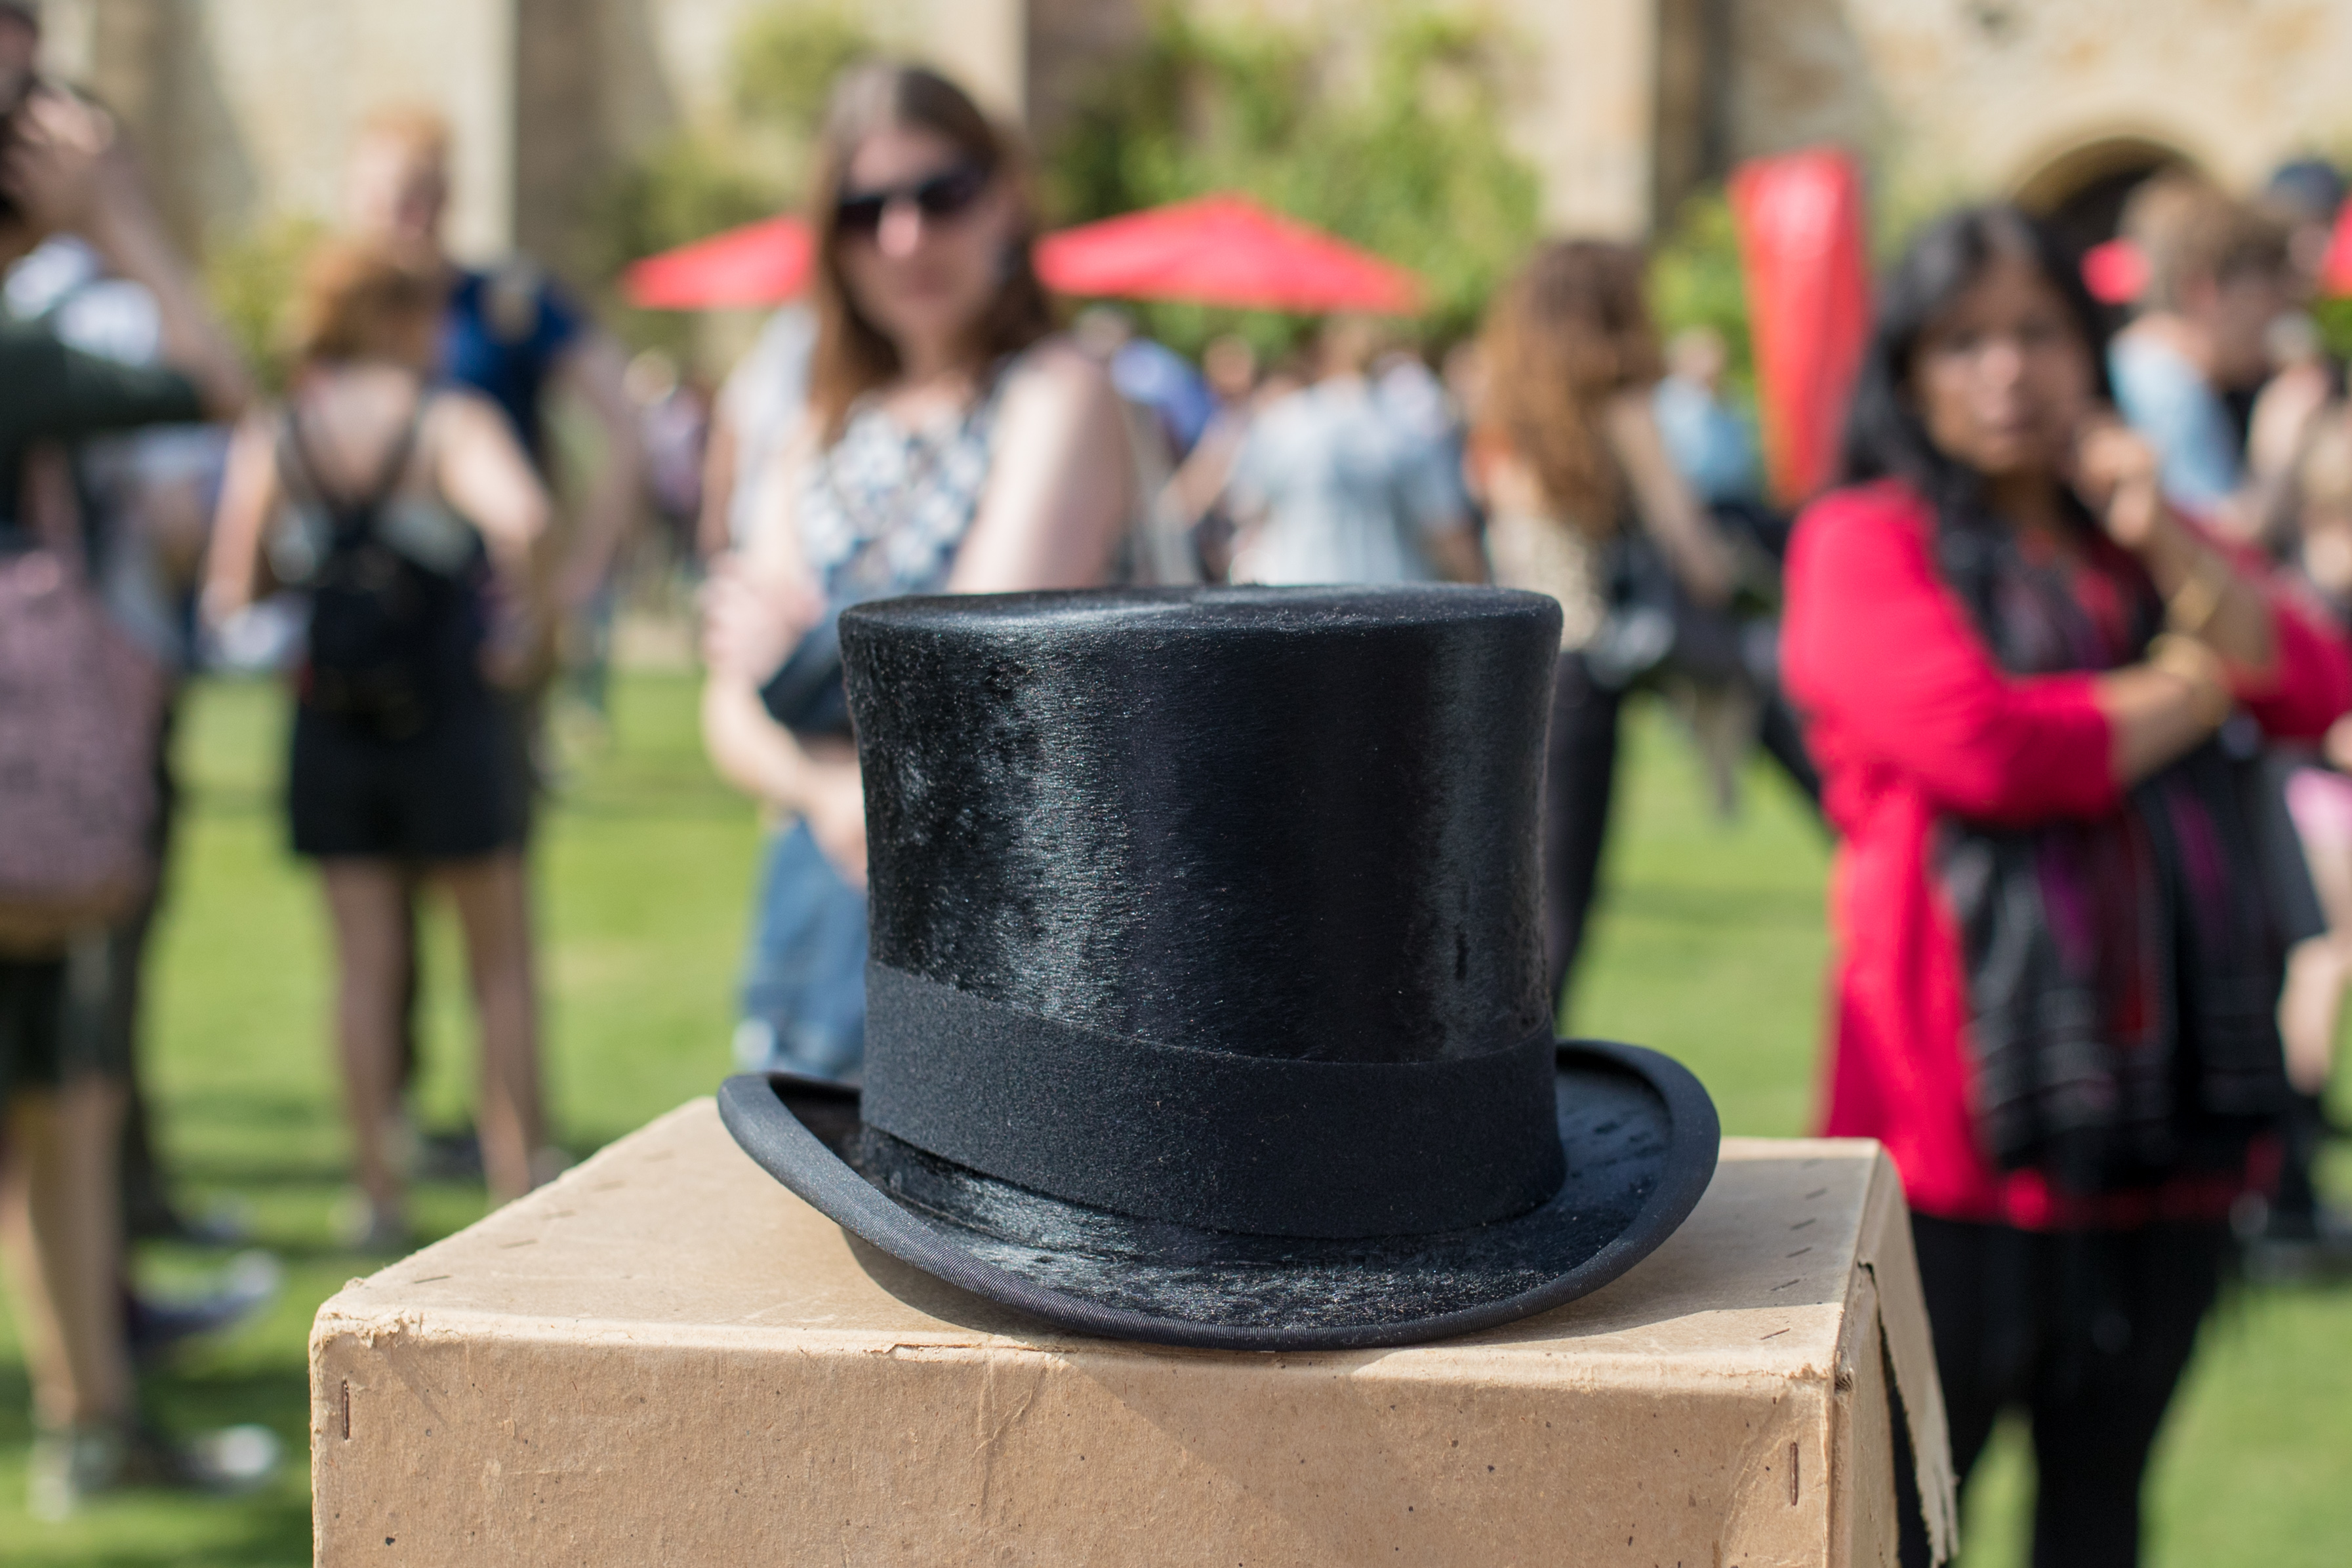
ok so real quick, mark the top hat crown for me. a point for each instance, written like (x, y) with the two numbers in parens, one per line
(1118, 836)
(1281, 824)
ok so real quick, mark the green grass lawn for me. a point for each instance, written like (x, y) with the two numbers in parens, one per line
(1711, 947)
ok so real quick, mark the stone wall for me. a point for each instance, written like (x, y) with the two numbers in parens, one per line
(1955, 98)
(1068, 43)
(600, 80)
(1587, 113)
(1627, 104)
(245, 107)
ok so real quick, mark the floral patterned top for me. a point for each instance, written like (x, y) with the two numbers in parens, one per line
(883, 510)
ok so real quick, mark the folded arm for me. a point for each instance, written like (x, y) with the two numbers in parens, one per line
(1872, 639)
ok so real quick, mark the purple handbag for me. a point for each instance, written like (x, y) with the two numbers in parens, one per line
(80, 705)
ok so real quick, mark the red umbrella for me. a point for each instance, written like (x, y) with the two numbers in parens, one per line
(2116, 273)
(2336, 272)
(1223, 249)
(1808, 276)
(765, 263)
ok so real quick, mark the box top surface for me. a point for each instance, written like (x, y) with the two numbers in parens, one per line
(673, 1236)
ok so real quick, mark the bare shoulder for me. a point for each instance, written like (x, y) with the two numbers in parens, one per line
(261, 427)
(462, 424)
(463, 413)
(1055, 380)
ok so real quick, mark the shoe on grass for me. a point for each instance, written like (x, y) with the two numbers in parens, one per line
(156, 1324)
(362, 1225)
(223, 1222)
(2293, 1241)
(76, 1466)
(455, 1154)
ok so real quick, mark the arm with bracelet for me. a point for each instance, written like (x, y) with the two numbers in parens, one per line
(2229, 636)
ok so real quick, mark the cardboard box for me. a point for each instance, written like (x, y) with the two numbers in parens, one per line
(666, 1358)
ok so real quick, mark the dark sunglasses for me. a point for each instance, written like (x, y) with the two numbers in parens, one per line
(946, 194)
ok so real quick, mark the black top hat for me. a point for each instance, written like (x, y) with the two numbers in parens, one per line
(1206, 995)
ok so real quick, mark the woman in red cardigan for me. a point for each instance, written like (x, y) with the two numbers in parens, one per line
(2033, 689)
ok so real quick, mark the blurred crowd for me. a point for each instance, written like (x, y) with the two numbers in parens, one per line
(2061, 664)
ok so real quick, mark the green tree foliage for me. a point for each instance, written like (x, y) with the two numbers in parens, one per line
(1695, 282)
(2333, 313)
(253, 279)
(1389, 136)
(684, 187)
(785, 60)
(749, 161)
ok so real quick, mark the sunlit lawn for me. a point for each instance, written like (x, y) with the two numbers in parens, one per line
(1711, 948)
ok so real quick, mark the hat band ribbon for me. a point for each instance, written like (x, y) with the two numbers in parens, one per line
(1259, 1145)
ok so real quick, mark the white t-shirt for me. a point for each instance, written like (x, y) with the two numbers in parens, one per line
(1350, 492)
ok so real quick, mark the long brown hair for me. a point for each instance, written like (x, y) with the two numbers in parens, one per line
(361, 299)
(1567, 333)
(853, 357)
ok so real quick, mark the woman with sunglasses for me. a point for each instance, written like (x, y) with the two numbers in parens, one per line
(2031, 686)
(952, 443)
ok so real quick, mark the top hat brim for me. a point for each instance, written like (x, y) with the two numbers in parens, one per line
(1638, 1132)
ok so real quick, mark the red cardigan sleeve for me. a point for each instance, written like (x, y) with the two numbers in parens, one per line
(1876, 649)
(2309, 685)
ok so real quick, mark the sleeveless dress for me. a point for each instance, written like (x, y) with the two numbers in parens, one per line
(880, 513)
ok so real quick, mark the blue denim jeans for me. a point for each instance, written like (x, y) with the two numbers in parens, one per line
(803, 1005)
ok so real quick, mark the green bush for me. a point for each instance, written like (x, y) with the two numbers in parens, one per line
(685, 187)
(1695, 281)
(1395, 144)
(785, 60)
(253, 278)
(749, 161)
(2334, 315)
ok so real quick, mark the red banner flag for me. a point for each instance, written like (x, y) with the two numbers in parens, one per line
(1807, 268)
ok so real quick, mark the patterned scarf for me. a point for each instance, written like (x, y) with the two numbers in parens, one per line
(2124, 972)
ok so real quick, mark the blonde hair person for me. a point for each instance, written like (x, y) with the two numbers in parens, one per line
(1567, 454)
(952, 442)
(411, 513)
(2219, 279)
(511, 333)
